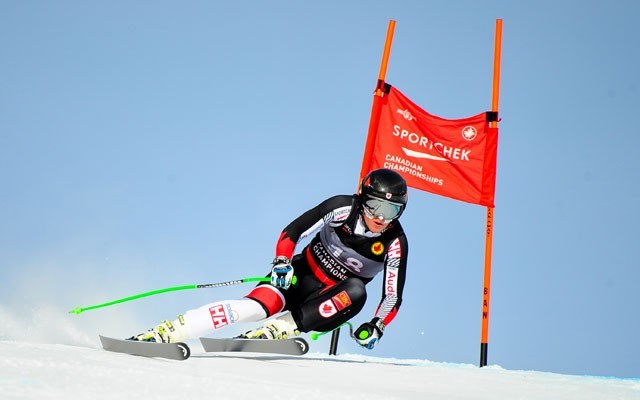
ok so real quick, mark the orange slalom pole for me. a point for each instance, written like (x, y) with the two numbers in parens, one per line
(486, 297)
(496, 70)
(385, 54)
(377, 102)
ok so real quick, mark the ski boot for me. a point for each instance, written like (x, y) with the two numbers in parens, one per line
(166, 332)
(282, 327)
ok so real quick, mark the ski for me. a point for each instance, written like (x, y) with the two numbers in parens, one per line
(292, 346)
(173, 351)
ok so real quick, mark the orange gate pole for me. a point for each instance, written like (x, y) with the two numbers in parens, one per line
(486, 297)
(377, 102)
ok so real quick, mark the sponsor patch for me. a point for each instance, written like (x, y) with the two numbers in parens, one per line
(341, 300)
(327, 309)
(392, 281)
(377, 248)
(218, 316)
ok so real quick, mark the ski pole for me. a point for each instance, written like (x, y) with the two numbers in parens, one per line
(79, 310)
(316, 335)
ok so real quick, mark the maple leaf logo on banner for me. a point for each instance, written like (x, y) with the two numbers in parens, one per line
(451, 158)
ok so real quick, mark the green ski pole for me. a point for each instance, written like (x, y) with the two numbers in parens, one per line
(79, 310)
(316, 335)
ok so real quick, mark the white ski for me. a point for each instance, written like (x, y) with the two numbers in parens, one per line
(292, 346)
(174, 351)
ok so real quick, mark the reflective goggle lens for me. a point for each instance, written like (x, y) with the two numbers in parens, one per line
(376, 208)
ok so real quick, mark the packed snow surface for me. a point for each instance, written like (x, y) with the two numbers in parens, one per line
(31, 370)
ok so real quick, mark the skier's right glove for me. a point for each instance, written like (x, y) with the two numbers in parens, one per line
(281, 273)
(369, 333)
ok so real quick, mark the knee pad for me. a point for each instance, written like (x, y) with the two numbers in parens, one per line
(269, 298)
(331, 307)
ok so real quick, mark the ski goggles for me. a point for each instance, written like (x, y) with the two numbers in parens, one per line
(383, 209)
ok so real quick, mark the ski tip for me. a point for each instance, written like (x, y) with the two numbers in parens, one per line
(304, 345)
(186, 350)
(76, 310)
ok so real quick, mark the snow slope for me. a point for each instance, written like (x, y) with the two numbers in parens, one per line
(45, 354)
(55, 371)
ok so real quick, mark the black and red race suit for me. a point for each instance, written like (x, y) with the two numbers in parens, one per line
(334, 267)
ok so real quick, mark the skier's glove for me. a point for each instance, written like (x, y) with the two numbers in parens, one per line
(369, 333)
(281, 273)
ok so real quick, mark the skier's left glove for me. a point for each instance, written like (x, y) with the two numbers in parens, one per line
(369, 333)
(281, 273)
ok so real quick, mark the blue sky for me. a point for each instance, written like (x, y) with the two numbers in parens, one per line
(153, 144)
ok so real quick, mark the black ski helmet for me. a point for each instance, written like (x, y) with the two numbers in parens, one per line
(384, 184)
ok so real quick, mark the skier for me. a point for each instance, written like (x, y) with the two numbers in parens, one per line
(359, 236)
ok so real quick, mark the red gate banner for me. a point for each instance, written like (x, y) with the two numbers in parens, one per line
(452, 158)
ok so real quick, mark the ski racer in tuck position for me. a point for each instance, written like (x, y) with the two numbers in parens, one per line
(358, 237)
